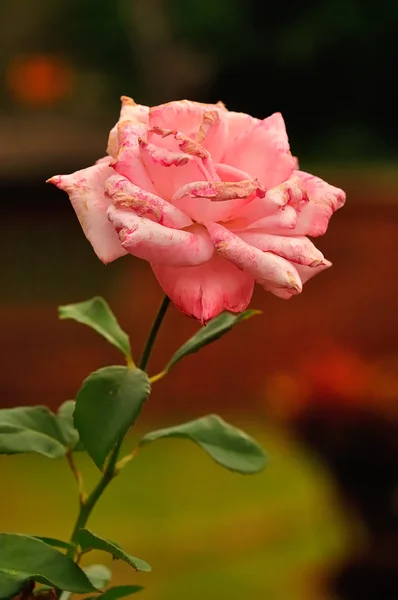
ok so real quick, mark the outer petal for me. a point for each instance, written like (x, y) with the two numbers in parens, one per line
(263, 152)
(86, 189)
(155, 243)
(269, 270)
(137, 114)
(183, 115)
(324, 199)
(106, 160)
(129, 162)
(125, 194)
(298, 250)
(305, 273)
(207, 290)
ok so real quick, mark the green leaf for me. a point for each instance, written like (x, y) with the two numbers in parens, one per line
(90, 541)
(228, 446)
(54, 542)
(96, 314)
(37, 429)
(120, 591)
(107, 404)
(99, 575)
(23, 557)
(215, 329)
(30, 429)
(65, 422)
(10, 585)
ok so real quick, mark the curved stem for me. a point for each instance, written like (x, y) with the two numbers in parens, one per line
(153, 333)
(110, 471)
(77, 475)
(86, 508)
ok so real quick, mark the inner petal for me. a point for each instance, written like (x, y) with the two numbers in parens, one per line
(215, 201)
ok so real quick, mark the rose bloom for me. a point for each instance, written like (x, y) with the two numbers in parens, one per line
(212, 199)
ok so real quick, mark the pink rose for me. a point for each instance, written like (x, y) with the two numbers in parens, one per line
(213, 199)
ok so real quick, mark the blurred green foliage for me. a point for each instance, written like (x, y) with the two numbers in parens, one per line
(205, 531)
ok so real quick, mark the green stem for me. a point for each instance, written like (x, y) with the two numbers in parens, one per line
(109, 473)
(87, 508)
(153, 333)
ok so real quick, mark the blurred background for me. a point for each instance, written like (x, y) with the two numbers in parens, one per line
(315, 379)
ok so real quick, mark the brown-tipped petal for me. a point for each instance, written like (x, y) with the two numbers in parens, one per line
(129, 162)
(176, 142)
(130, 111)
(268, 269)
(154, 242)
(290, 192)
(171, 170)
(324, 200)
(125, 194)
(184, 115)
(220, 190)
(213, 133)
(299, 250)
(214, 201)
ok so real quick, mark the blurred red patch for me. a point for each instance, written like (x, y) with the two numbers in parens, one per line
(39, 79)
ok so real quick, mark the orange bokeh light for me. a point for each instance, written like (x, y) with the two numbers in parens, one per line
(39, 79)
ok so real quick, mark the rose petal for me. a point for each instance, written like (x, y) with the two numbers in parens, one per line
(324, 200)
(137, 114)
(207, 290)
(238, 124)
(307, 273)
(153, 242)
(129, 162)
(215, 201)
(125, 194)
(290, 192)
(171, 170)
(299, 250)
(86, 189)
(177, 142)
(183, 115)
(213, 133)
(263, 152)
(220, 190)
(228, 173)
(269, 270)
(279, 222)
(105, 160)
